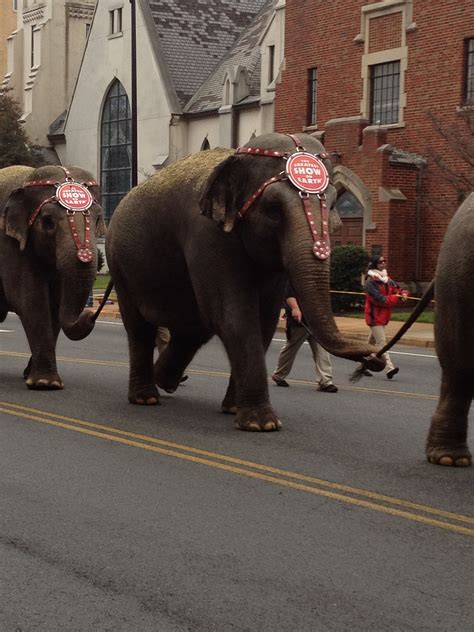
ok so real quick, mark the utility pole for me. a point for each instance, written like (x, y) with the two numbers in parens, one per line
(134, 94)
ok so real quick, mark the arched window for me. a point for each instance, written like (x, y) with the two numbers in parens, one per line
(115, 148)
(347, 205)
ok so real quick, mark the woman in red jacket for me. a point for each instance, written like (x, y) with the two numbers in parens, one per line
(381, 294)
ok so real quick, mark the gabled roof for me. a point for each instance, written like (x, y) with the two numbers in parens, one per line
(194, 36)
(245, 53)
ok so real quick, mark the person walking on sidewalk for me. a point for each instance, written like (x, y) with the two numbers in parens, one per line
(381, 294)
(296, 335)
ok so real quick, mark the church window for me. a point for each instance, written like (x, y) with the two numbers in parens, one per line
(116, 148)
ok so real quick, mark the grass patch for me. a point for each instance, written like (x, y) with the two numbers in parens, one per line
(101, 281)
(427, 316)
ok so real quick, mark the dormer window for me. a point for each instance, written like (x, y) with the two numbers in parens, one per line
(227, 92)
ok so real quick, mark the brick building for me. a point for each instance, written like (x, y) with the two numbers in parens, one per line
(366, 77)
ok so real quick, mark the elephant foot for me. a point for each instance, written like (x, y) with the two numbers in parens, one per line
(458, 456)
(167, 387)
(145, 397)
(228, 410)
(45, 383)
(257, 419)
(228, 406)
(167, 383)
(373, 363)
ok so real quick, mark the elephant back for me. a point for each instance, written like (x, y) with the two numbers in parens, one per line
(194, 169)
(11, 178)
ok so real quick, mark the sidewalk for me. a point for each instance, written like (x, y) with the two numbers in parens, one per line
(419, 334)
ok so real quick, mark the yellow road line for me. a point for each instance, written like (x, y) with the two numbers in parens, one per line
(226, 374)
(119, 436)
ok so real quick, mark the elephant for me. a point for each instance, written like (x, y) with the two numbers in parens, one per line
(446, 443)
(204, 247)
(48, 258)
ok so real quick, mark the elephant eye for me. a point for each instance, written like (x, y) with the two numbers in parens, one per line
(47, 222)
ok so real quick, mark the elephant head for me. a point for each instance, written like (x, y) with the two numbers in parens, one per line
(55, 216)
(284, 227)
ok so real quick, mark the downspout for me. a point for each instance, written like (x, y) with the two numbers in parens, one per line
(420, 165)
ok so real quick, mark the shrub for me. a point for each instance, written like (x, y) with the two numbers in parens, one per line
(348, 263)
(15, 147)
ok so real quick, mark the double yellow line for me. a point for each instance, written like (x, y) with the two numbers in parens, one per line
(374, 501)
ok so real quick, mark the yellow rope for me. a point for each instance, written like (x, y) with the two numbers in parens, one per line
(408, 298)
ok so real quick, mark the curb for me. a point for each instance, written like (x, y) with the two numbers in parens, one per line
(406, 341)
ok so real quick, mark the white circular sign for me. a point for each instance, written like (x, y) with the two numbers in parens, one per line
(307, 172)
(74, 196)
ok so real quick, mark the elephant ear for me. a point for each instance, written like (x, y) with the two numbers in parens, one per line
(222, 195)
(335, 221)
(16, 218)
(100, 227)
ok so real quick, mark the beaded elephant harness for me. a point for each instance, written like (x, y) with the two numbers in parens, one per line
(307, 173)
(75, 197)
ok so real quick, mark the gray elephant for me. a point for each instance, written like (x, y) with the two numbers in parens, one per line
(49, 220)
(454, 339)
(204, 248)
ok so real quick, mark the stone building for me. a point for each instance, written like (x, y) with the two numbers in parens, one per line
(8, 11)
(206, 75)
(44, 52)
(368, 77)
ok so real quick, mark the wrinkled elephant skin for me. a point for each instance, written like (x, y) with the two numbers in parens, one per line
(181, 258)
(41, 276)
(454, 340)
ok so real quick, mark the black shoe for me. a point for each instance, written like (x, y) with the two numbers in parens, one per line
(392, 372)
(328, 388)
(366, 373)
(183, 379)
(279, 382)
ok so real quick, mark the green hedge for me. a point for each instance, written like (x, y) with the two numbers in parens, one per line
(348, 263)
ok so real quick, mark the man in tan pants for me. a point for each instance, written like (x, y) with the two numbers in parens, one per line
(296, 335)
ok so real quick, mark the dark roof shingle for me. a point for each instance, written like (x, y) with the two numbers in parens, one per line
(195, 35)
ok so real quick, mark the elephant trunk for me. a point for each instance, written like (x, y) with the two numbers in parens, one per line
(310, 278)
(81, 327)
(75, 321)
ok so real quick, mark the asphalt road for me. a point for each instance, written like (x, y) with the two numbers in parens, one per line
(118, 517)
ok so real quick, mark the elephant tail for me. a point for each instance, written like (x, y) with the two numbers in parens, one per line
(419, 309)
(108, 289)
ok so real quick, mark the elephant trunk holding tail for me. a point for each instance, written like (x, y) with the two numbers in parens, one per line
(48, 258)
(223, 273)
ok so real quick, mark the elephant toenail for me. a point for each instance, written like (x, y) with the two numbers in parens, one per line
(253, 426)
(446, 460)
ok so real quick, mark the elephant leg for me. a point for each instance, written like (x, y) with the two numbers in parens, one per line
(141, 343)
(249, 374)
(446, 443)
(271, 298)
(173, 360)
(41, 371)
(229, 405)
